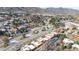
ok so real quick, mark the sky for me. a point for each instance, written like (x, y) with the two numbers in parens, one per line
(40, 3)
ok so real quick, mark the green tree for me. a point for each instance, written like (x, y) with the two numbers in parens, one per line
(5, 41)
(55, 21)
(63, 47)
(77, 42)
(23, 30)
(62, 36)
(16, 22)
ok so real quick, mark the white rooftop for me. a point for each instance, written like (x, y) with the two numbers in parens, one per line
(66, 40)
(75, 45)
(26, 49)
(35, 43)
(31, 46)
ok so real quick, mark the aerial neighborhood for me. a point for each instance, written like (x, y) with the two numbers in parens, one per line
(37, 29)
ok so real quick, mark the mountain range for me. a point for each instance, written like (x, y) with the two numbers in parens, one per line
(38, 10)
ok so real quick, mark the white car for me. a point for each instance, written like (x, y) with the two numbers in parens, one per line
(13, 41)
(28, 35)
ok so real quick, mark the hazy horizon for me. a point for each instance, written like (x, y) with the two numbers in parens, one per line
(76, 8)
(74, 4)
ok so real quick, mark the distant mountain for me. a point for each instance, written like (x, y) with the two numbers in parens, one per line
(37, 10)
(63, 11)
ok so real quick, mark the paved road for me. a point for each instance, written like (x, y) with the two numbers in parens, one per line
(67, 22)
